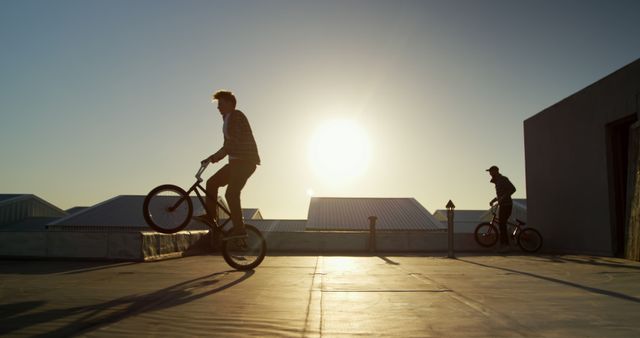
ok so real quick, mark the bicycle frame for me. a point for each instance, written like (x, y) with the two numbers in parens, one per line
(194, 188)
(496, 222)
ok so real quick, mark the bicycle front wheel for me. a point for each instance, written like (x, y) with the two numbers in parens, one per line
(246, 253)
(530, 240)
(167, 209)
(486, 235)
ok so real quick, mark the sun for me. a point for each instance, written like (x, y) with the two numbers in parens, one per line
(339, 151)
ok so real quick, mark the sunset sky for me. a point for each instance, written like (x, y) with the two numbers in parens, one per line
(104, 98)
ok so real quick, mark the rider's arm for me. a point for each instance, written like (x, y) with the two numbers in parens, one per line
(218, 155)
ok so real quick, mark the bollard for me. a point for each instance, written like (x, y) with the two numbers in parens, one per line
(372, 233)
(450, 207)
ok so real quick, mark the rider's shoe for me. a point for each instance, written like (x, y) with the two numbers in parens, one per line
(204, 218)
(235, 233)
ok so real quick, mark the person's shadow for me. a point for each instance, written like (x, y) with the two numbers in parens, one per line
(102, 314)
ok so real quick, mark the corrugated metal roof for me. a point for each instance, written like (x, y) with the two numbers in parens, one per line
(333, 213)
(120, 213)
(15, 207)
(251, 213)
(276, 225)
(75, 210)
(9, 196)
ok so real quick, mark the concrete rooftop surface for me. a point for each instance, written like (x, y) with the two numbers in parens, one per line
(318, 296)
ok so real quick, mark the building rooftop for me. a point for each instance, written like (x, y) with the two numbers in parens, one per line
(315, 296)
(278, 225)
(337, 213)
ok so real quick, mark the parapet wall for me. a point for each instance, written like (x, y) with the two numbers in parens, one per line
(146, 245)
(128, 246)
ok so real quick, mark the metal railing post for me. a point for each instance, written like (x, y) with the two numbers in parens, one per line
(372, 233)
(450, 233)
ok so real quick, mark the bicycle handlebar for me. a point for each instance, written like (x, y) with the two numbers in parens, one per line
(203, 166)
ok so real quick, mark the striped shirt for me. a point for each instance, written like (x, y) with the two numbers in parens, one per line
(239, 143)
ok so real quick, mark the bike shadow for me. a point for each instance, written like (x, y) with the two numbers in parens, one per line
(95, 316)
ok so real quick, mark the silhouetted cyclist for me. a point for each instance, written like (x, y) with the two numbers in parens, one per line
(241, 148)
(504, 190)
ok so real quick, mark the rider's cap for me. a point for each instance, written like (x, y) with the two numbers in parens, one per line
(493, 168)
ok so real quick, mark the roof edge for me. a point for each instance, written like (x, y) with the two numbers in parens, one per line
(57, 222)
(572, 95)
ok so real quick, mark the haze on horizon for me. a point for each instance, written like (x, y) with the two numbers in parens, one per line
(100, 99)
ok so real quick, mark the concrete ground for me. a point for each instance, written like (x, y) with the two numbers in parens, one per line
(312, 296)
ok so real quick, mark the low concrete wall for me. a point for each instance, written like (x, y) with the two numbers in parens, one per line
(29, 244)
(130, 246)
(340, 241)
(146, 245)
(157, 246)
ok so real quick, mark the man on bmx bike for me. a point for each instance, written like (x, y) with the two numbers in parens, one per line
(504, 190)
(240, 146)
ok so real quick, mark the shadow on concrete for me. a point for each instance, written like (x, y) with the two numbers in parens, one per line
(388, 261)
(92, 317)
(599, 261)
(560, 281)
(36, 267)
(8, 310)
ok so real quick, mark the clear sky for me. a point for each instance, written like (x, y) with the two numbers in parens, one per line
(103, 98)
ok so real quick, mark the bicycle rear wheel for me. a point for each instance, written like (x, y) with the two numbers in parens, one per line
(246, 253)
(167, 209)
(486, 234)
(530, 240)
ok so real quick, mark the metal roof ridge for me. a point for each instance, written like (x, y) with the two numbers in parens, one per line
(81, 212)
(21, 197)
(47, 203)
(18, 197)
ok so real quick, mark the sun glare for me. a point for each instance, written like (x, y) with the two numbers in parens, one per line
(339, 151)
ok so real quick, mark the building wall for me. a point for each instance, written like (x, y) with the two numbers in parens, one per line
(568, 190)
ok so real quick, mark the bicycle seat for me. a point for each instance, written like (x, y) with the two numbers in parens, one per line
(520, 222)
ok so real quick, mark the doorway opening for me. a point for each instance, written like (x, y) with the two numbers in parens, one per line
(618, 133)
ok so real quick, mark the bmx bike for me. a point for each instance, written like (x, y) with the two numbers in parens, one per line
(486, 234)
(168, 209)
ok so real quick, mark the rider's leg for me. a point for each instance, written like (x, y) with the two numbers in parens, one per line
(219, 179)
(503, 216)
(240, 171)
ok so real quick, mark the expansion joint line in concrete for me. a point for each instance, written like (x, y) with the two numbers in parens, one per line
(314, 319)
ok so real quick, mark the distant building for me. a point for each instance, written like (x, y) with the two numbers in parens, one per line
(582, 168)
(465, 221)
(26, 212)
(251, 214)
(278, 225)
(75, 210)
(124, 213)
(393, 214)
(116, 229)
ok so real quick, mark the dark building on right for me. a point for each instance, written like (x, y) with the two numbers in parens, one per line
(582, 168)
